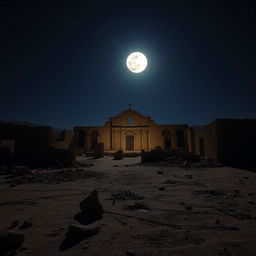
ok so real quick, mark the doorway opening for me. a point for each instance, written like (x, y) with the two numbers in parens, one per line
(129, 142)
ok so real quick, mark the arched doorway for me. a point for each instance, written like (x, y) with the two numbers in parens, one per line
(81, 139)
(129, 142)
(94, 139)
(167, 136)
(180, 139)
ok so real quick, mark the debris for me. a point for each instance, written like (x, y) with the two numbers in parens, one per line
(208, 193)
(189, 208)
(155, 155)
(14, 224)
(170, 182)
(22, 249)
(26, 224)
(137, 206)
(118, 155)
(20, 170)
(130, 253)
(54, 177)
(176, 158)
(91, 205)
(161, 188)
(126, 195)
(10, 241)
(77, 232)
(160, 172)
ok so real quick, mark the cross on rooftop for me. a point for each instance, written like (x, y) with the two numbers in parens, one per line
(130, 105)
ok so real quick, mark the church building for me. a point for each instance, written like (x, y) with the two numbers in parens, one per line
(132, 132)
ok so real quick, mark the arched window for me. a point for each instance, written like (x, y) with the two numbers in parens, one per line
(81, 139)
(180, 139)
(94, 139)
(167, 139)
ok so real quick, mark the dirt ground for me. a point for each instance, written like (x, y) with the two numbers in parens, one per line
(200, 211)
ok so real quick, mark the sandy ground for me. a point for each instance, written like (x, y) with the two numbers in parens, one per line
(202, 202)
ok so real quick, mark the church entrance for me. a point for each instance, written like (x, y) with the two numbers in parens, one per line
(129, 142)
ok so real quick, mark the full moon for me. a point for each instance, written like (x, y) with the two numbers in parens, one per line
(136, 62)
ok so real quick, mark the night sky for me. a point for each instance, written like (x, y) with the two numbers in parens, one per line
(63, 62)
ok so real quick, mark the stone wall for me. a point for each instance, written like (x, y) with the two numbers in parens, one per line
(236, 140)
(33, 145)
(208, 135)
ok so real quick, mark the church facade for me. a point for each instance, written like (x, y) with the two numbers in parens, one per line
(132, 132)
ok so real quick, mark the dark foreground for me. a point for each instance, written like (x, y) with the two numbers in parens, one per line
(149, 210)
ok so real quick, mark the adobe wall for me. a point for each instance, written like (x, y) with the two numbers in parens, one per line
(66, 142)
(209, 135)
(236, 140)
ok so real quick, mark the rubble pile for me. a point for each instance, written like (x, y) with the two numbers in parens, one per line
(126, 195)
(53, 177)
(118, 155)
(177, 158)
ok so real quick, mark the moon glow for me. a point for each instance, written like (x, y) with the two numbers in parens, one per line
(136, 62)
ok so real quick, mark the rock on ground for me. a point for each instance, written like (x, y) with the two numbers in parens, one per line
(10, 241)
(91, 205)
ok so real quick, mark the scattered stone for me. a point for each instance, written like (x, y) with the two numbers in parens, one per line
(126, 195)
(118, 155)
(21, 170)
(208, 193)
(161, 188)
(22, 249)
(160, 172)
(10, 241)
(155, 155)
(237, 213)
(217, 222)
(14, 224)
(86, 246)
(137, 206)
(170, 182)
(26, 224)
(83, 164)
(189, 176)
(189, 208)
(250, 202)
(91, 205)
(77, 232)
(54, 177)
(130, 253)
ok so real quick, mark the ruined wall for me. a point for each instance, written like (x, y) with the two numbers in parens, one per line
(66, 141)
(191, 140)
(103, 136)
(208, 134)
(33, 145)
(236, 140)
(10, 144)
